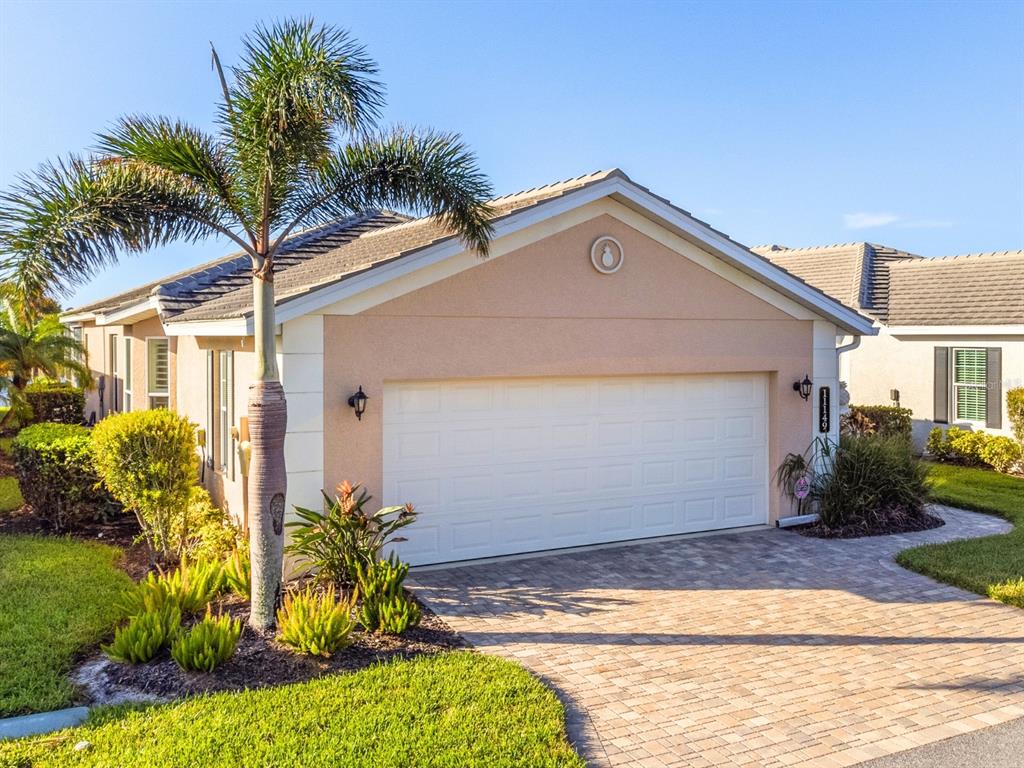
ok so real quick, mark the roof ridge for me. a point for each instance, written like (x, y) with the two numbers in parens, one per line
(924, 260)
(607, 172)
(784, 249)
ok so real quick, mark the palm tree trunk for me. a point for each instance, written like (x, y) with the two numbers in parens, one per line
(267, 479)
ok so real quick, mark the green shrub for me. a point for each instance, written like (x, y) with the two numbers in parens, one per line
(148, 462)
(208, 644)
(57, 475)
(1009, 592)
(315, 624)
(206, 531)
(966, 445)
(145, 634)
(884, 420)
(936, 444)
(55, 401)
(1015, 405)
(190, 587)
(238, 573)
(329, 541)
(1003, 454)
(870, 481)
(384, 605)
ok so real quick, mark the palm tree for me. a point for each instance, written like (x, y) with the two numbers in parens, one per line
(296, 144)
(30, 346)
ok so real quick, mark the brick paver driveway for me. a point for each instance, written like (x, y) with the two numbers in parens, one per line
(760, 649)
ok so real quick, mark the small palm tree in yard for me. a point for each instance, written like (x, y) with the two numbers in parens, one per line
(296, 145)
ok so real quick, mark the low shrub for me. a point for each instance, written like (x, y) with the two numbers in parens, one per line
(190, 587)
(1015, 406)
(884, 420)
(208, 644)
(205, 531)
(384, 605)
(329, 541)
(1009, 592)
(148, 462)
(870, 482)
(936, 445)
(315, 624)
(57, 475)
(238, 573)
(145, 635)
(1003, 454)
(55, 401)
(975, 449)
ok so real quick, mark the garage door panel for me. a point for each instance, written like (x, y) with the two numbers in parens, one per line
(497, 467)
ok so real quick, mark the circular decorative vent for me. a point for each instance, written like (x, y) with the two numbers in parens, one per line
(607, 255)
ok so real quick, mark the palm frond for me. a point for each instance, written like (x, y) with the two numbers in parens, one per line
(426, 173)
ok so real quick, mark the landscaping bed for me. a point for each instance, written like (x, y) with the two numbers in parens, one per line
(259, 661)
(892, 524)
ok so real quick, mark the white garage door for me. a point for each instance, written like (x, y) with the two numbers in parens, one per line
(497, 467)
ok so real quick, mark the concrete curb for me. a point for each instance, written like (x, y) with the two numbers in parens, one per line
(44, 722)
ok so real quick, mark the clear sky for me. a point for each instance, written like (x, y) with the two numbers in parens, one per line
(796, 123)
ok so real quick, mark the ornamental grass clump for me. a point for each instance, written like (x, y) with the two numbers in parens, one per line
(316, 624)
(384, 606)
(238, 573)
(145, 634)
(190, 587)
(208, 644)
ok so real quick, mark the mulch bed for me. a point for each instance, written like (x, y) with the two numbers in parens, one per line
(921, 521)
(259, 662)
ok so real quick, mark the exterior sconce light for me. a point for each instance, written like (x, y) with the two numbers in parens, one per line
(357, 402)
(803, 387)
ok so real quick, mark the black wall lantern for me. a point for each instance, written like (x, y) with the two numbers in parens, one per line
(803, 387)
(358, 402)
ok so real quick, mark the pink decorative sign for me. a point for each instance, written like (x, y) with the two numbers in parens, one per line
(802, 488)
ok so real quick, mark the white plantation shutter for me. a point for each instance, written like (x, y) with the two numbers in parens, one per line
(969, 381)
(158, 372)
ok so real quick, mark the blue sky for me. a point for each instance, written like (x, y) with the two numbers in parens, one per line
(796, 123)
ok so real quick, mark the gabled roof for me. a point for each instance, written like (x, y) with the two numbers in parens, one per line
(855, 273)
(314, 265)
(902, 289)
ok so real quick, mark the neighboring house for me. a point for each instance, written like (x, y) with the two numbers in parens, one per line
(614, 370)
(951, 330)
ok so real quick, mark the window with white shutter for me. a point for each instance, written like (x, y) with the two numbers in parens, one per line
(969, 384)
(158, 372)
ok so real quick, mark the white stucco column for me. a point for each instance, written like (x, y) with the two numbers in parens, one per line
(825, 374)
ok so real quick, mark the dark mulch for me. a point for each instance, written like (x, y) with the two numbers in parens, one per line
(259, 662)
(897, 523)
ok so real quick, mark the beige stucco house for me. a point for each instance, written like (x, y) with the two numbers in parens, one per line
(950, 339)
(616, 369)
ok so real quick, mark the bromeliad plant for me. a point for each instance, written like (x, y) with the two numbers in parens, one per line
(296, 145)
(332, 542)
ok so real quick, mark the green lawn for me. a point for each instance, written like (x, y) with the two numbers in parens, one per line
(456, 710)
(56, 598)
(10, 494)
(979, 565)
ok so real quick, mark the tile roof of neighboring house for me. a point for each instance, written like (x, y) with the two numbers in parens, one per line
(313, 259)
(856, 274)
(900, 288)
(978, 289)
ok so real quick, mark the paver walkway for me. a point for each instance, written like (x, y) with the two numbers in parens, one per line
(759, 649)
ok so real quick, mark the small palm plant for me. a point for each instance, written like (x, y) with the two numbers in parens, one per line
(297, 144)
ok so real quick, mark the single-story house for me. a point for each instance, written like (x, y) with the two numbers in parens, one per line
(614, 370)
(950, 339)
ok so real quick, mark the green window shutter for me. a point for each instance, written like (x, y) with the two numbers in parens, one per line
(994, 387)
(941, 390)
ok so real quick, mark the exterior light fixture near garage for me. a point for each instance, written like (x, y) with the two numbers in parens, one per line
(803, 387)
(357, 402)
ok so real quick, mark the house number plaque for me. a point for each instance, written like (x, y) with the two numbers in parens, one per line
(824, 409)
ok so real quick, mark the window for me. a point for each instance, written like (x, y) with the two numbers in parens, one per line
(127, 374)
(225, 407)
(969, 384)
(158, 372)
(113, 372)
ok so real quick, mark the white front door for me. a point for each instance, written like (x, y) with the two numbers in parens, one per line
(503, 466)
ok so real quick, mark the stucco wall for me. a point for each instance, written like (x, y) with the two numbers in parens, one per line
(543, 310)
(906, 363)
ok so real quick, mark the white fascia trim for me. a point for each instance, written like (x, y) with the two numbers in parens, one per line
(830, 309)
(239, 326)
(955, 330)
(80, 317)
(130, 314)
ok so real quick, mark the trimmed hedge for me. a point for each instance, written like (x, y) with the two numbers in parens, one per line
(57, 474)
(884, 420)
(55, 402)
(976, 449)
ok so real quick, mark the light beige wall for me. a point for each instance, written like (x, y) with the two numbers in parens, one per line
(193, 393)
(907, 363)
(543, 310)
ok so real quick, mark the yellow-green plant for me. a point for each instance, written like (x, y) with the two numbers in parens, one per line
(237, 573)
(397, 614)
(315, 624)
(384, 605)
(145, 634)
(190, 587)
(1009, 592)
(208, 644)
(205, 531)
